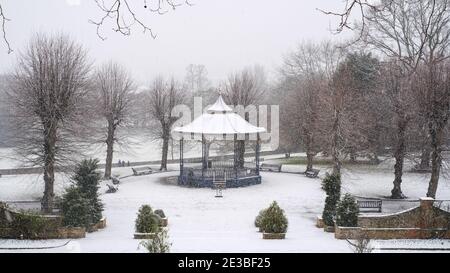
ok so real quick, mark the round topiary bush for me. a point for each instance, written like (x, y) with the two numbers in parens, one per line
(347, 212)
(274, 220)
(147, 221)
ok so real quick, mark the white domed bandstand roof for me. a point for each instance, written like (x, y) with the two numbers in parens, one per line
(219, 119)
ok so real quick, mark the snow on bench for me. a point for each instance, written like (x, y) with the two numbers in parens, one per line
(142, 171)
(314, 173)
(370, 205)
(111, 189)
(270, 167)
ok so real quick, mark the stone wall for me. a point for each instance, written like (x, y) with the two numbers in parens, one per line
(36, 226)
(423, 222)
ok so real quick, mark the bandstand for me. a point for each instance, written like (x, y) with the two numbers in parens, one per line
(219, 123)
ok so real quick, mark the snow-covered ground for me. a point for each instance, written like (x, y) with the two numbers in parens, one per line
(198, 222)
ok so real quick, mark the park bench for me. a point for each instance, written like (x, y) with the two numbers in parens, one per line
(419, 169)
(270, 167)
(314, 173)
(115, 180)
(111, 189)
(370, 205)
(142, 171)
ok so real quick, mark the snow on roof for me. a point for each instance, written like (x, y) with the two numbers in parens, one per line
(219, 120)
(219, 107)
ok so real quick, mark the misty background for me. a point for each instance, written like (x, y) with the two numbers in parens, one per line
(225, 36)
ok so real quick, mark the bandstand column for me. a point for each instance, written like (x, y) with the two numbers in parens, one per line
(203, 158)
(235, 163)
(181, 157)
(257, 153)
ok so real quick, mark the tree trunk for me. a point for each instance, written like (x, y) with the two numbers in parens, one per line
(309, 161)
(309, 152)
(165, 150)
(353, 157)
(399, 155)
(109, 150)
(436, 137)
(49, 169)
(425, 157)
(335, 146)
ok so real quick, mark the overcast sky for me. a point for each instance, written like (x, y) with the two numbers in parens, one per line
(223, 35)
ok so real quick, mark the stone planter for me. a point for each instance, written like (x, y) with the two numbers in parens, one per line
(164, 222)
(144, 236)
(101, 224)
(329, 229)
(71, 233)
(274, 236)
(319, 222)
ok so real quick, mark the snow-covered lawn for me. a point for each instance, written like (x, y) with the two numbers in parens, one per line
(198, 222)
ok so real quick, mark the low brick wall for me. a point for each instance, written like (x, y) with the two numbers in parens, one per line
(423, 222)
(390, 233)
(50, 226)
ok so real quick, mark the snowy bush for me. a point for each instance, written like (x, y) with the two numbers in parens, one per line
(159, 244)
(258, 219)
(347, 212)
(274, 220)
(75, 208)
(147, 221)
(80, 205)
(331, 184)
(87, 179)
(160, 213)
(31, 226)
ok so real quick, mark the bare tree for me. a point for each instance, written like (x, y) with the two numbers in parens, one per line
(330, 56)
(244, 89)
(409, 32)
(48, 92)
(401, 101)
(196, 78)
(163, 96)
(114, 86)
(304, 82)
(433, 87)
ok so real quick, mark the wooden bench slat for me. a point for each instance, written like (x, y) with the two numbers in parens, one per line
(142, 171)
(312, 173)
(370, 205)
(270, 167)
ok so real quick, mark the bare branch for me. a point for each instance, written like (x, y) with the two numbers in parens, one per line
(351, 7)
(124, 17)
(3, 21)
